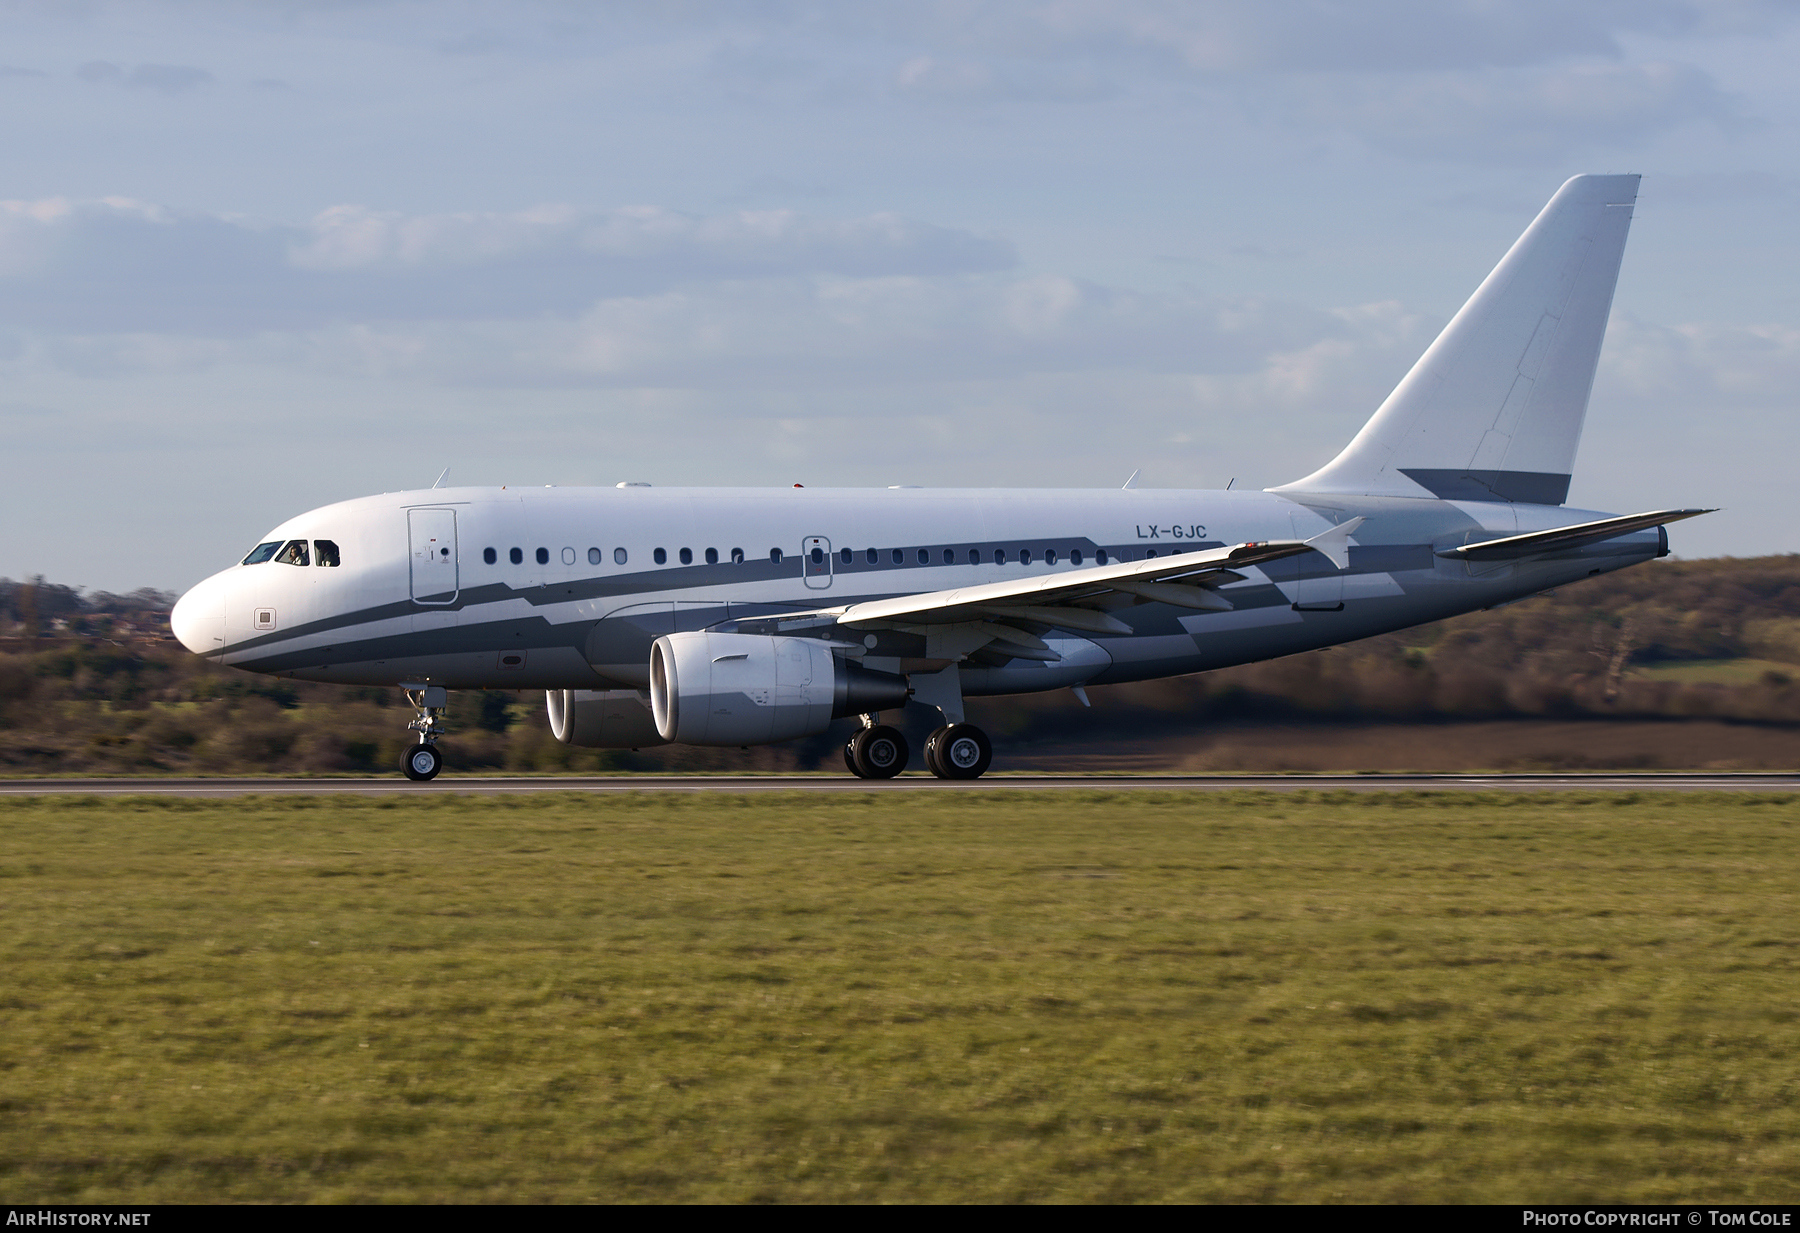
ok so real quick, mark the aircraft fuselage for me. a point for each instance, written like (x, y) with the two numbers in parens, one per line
(567, 588)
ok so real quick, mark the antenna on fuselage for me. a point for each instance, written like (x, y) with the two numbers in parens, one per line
(1132, 482)
(440, 478)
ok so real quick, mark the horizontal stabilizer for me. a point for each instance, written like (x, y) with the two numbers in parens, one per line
(1537, 543)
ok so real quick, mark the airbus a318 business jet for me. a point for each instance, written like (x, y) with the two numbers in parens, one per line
(747, 616)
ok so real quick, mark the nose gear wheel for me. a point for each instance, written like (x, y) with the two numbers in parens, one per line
(422, 763)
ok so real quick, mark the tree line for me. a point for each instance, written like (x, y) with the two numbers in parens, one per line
(92, 684)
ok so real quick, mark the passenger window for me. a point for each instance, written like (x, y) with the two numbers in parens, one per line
(1149, 554)
(1049, 556)
(924, 556)
(1024, 556)
(516, 556)
(899, 557)
(687, 556)
(294, 554)
(568, 556)
(660, 556)
(619, 556)
(543, 556)
(846, 556)
(1099, 556)
(999, 556)
(737, 556)
(871, 556)
(974, 556)
(593, 556)
(775, 555)
(818, 556)
(712, 556)
(1074, 556)
(262, 552)
(325, 552)
(949, 556)
(489, 555)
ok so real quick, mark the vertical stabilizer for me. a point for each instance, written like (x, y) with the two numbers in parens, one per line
(1493, 409)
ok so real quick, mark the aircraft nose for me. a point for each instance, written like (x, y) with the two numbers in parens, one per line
(198, 619)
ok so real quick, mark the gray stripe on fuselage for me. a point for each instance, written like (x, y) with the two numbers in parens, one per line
(676, 578)
(533, 633)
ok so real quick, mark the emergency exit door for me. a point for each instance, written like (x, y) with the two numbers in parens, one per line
(432, 536)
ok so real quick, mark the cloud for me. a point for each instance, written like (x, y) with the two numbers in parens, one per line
(1238, 36)
(1708, 188)
(165, 78)
(971, 81)
(1703, 365)
(474, 43)
(1511, 115)
(821, 332)
(119, 265)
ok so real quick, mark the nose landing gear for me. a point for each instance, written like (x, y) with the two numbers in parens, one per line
(422, 762)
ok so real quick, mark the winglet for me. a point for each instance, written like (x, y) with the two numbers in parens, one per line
(1334, 544)
(1132, 482)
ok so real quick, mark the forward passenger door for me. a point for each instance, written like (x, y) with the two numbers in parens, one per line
(432, 537)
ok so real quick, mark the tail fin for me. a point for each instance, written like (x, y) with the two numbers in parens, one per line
(1493, 409)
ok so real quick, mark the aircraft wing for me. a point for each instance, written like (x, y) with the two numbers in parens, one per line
(965, 619)
(1582, 533)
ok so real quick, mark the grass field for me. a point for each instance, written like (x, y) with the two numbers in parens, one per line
(998, 996)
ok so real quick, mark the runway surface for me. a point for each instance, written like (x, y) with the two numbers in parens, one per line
(387, 785)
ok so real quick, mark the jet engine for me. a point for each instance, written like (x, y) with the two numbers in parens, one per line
(601, 718)
(749, 689)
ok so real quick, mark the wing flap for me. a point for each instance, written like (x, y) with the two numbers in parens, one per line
(1060, 589)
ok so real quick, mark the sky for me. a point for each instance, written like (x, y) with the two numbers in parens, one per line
(256, 258)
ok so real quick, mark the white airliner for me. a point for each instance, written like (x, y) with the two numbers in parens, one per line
(742, 616)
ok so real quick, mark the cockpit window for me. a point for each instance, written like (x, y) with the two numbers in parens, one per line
(294, 554)
(325, 552)
(262, 552)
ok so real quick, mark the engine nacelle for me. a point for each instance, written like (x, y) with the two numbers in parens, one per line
(601, 718)
(748, 689)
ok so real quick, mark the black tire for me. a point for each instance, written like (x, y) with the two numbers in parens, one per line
(879, 752)
(421, 763)
(931, 751)
(964, 752)
(850, 757)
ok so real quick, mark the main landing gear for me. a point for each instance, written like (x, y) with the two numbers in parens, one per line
(877, 752)
(954, 751)
(957, 750)
(422, 762)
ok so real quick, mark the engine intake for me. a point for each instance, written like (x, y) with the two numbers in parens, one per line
(601, 718)
(747, 689)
